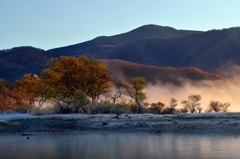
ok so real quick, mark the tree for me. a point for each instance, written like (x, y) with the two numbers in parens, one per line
(68, 74)
(135, 90)
(114, 93)
(171, 108)
(192, 104)
(216, 106)
(6, 100)
(26, 89)
(73, 104)
(157, 107)
(3, 83)
(81, 101)
(6, 96)
(225, 107)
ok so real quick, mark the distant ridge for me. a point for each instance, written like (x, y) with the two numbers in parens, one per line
(123, 70)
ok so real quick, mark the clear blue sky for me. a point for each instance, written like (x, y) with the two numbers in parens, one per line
(48, 24)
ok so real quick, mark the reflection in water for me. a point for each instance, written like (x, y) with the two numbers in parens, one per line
(118, 146)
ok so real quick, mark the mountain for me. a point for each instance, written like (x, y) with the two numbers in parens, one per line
(164, 46)
(16, 62)
(22, 55)
(103, 44)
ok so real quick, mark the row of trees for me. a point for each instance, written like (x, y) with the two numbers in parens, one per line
(78, 84)
(71, 82)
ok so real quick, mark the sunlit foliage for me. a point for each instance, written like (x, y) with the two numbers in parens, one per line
(157, 107)
(135, 90)
(68, 74)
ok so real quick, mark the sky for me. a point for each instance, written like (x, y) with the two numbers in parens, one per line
(48, 24)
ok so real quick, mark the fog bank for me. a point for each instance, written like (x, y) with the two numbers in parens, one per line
(219, 90)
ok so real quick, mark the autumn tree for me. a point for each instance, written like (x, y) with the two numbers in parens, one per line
(68, 74)
(135, 90)
(26, 89)
(3, 83)
(157, 107)
(5, 100)
(192, 104)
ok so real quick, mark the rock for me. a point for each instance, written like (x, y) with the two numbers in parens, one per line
(235, 124)
(27, 134)
(104, 123)
(158, 131)
(175, 122)
(3, 123)
(141, 124)
(225, 121)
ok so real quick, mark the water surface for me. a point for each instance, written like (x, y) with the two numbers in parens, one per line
(119, 146)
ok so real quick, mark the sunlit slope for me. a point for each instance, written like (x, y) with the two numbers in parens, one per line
(123, 70)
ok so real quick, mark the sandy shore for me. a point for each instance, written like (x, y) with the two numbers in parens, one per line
(228, 123)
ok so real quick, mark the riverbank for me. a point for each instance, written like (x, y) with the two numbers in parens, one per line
(204, 123)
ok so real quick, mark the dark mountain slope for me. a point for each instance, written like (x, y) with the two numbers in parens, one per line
(16, 62)
(208, 51)
(104, 43)
(164, 46)
(22, 55)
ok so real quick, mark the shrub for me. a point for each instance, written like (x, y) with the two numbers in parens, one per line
(3, 123)
(24, 108)
(103, 108)
(43, 110)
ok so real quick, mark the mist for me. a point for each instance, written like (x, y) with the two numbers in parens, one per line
(219, 90)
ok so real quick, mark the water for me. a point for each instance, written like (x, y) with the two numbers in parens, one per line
(119, 146)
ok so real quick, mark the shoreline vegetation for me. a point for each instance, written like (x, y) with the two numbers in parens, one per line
(185, 123)
(75, 85)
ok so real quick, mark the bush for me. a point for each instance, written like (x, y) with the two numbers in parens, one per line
(3, 123)
(157, 108)
(103, 108)
(43, 111)
(24, 108)
(121, 109)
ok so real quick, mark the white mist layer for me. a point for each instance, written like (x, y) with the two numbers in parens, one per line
(222, 91)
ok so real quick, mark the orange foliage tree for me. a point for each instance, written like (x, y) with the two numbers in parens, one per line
(6, 96)
(68, 74)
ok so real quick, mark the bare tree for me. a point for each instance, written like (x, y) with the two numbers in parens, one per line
(192, 104)
(117, 93)
(225, 107)
(172, 105)
(216, 106)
